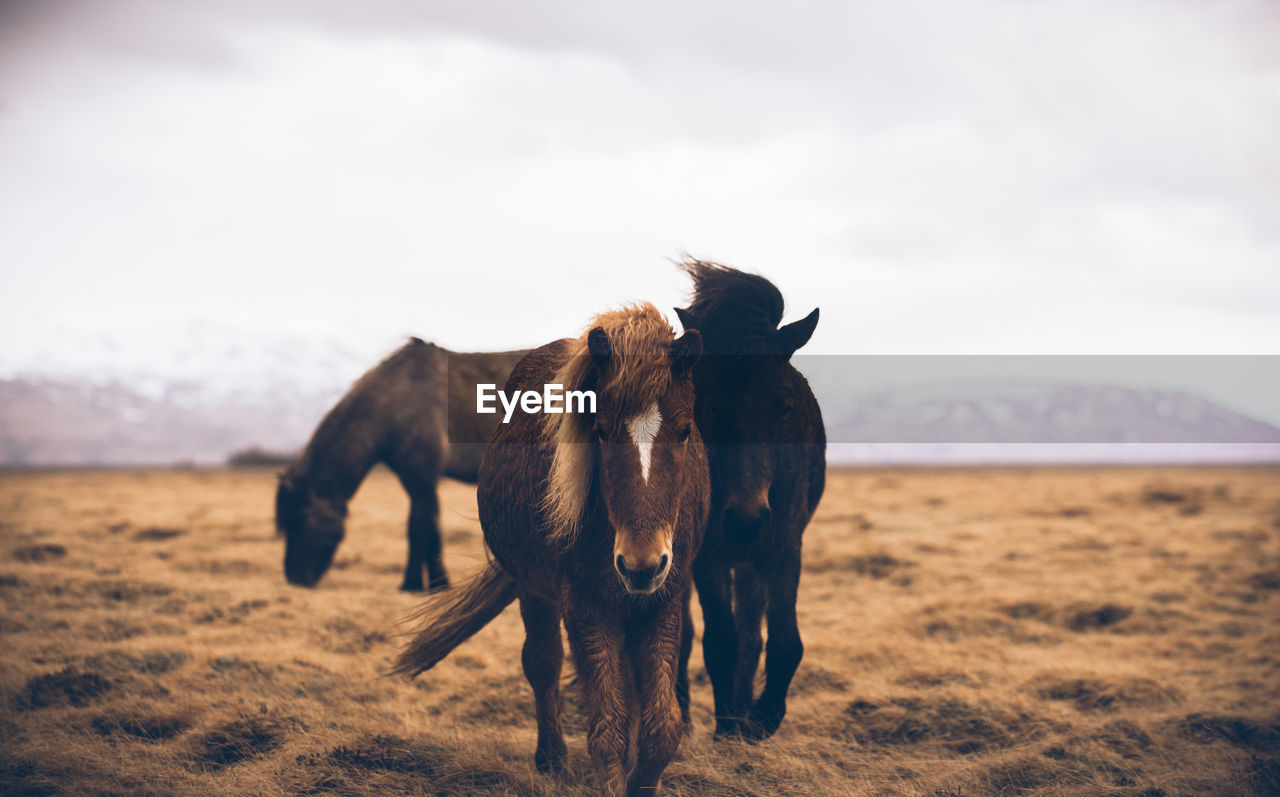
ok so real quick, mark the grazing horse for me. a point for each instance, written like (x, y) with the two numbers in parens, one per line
(594, 520)
(767, 450)
(398, 414)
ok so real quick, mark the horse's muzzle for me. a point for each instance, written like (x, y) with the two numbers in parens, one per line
(743, 525)
(643, 580)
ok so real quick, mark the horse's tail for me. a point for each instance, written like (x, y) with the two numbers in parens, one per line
(453, 617)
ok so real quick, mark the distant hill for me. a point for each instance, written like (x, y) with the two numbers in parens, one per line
(193, 393)
(46, 421)
(1002, 413)
(200, 393)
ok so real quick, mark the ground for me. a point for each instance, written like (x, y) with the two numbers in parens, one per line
(967, 632)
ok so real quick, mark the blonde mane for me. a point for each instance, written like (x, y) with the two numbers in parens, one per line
(637, 375)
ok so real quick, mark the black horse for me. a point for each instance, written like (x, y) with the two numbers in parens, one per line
(767, 451)
(398, 414)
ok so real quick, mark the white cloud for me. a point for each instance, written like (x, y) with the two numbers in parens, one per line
(1058, 177)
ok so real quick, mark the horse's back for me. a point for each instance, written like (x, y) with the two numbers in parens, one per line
(351, 437)
(408, 392)
(468, 431)
(512, 477)
(427, 395)
(398, 412)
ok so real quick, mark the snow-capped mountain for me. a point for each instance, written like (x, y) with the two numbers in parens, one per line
(153, 396)
(200, 392)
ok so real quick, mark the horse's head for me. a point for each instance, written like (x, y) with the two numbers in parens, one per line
(637, 446)
(745, 409)
(745, 399)
(312, 528)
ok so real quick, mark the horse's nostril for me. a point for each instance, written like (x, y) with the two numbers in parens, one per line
(644, 579)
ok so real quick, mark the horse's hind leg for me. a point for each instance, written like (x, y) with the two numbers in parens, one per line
(542, 658)
(424, 541)
(784, 650)
(436, 577)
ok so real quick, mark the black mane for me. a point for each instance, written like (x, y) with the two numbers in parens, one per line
(736, 312)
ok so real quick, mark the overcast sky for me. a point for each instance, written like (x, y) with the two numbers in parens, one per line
(940, 177)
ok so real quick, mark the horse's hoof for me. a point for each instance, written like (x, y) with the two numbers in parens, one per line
(760, 724)
(551, 759)
(409, 586)
(752, 732)
(438, 584)
(727, 728)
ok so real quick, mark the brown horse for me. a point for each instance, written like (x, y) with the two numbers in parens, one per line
(594, 520)
(399, 414)
(767, 449)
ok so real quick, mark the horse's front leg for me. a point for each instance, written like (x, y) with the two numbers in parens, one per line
(655, 657)
(719, 636)
(424, 541)
(682, 674)
(598, 652)
(784, 650)
(748, 610)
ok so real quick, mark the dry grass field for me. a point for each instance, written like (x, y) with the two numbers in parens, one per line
(968, 632)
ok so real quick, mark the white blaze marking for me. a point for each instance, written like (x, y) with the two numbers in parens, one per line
(644, 428)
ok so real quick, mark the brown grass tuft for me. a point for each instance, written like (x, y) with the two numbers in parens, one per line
(68, 686)
(147, 727)
(237, 740)
(958, 726)
(153, 662)
(932, 679)
(1155, 495)
(1265, 579)
(1098, 694)
(873, 565)
(156, 534)
(1247, 732)
(39, 553)
(1090, 618)
(1020, 776)
(1125, 738)
(993, 641)
(393, 761)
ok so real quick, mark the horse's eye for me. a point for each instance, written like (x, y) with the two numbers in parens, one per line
(685, 432)
(597, 434)
(784, 410)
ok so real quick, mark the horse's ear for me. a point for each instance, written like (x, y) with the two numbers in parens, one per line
(686, 317)
(796, 334)
(600, 348)
(685, 352)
